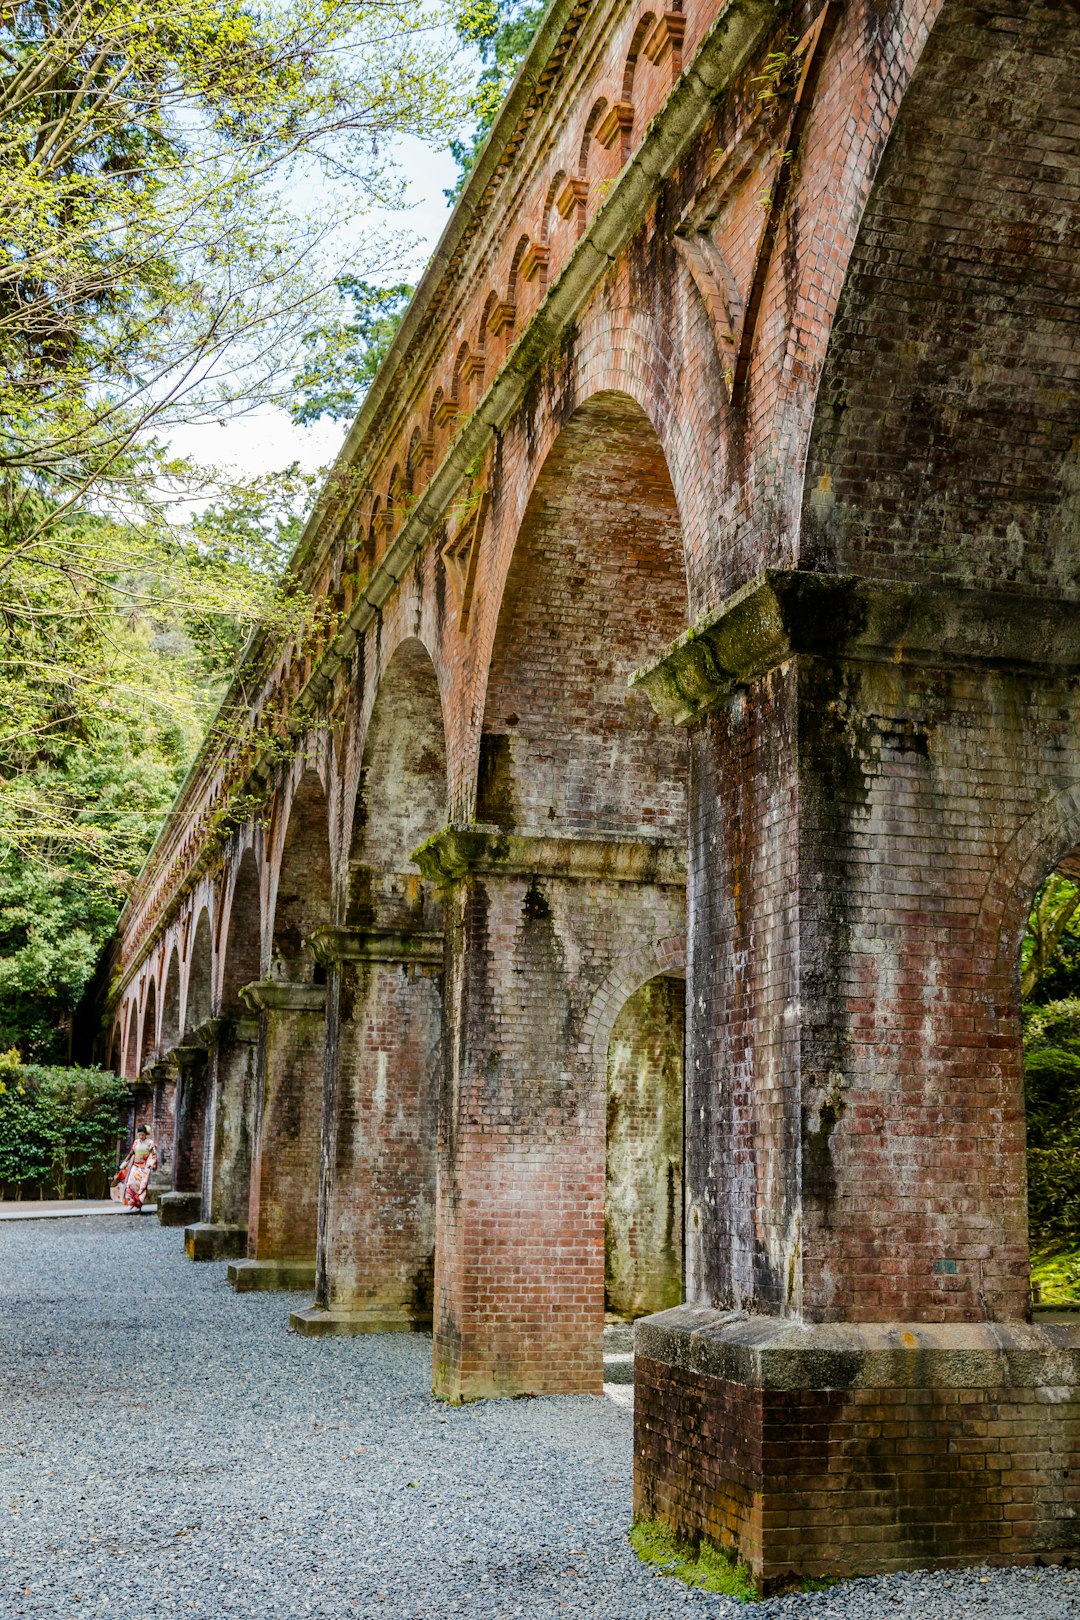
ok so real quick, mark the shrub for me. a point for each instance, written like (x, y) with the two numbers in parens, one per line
(58, 1128)
(1052, 1102)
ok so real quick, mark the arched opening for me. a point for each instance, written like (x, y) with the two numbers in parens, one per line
(304, 884)
(148, 1048)
(1049, 981)
(944, 442)
(579, 869)
(565, 745)
(377, 1251)
(200, 976)
(193, 1079)
(234, 1070)
(285, 1172)
(643, 1196)
(170, 1007)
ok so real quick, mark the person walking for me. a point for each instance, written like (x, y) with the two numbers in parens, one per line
(133, 1177)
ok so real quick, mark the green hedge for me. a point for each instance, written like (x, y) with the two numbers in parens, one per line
(58, 1129)
(1052, 1103)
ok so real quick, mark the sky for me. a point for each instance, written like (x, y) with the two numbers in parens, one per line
(266, 438)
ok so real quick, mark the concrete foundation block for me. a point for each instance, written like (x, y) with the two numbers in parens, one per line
(271, 1276)
(209, 1240)
(858, 1448)
(179, 1208)
(317, 1323)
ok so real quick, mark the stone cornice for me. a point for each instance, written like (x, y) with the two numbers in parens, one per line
(471, 849)
(331, 945)
(787, 613)
(278, 995)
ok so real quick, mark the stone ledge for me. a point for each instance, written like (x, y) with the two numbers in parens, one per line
(766, 1352)
(376, 945)
(214, 1240)
(315, 1323)
(278, 995)
(467, 849)
(271, 1276)
(784, 613)
(178, 1208)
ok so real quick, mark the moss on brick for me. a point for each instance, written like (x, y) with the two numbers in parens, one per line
(705, 1566)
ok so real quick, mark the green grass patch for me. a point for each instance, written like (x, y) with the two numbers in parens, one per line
(704, 1566)
(1055, 1274)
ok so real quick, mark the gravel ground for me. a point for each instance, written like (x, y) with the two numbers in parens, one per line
(157, 1428)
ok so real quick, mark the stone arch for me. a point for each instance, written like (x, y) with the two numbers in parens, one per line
(1038, 846)
(564, 746)
(378, 1242)
(200, 979)
(950, 359)
(148, 1043)
(401, 793)
(413, 460)
(115, 1058)
(170, 1004)
(303, 883)
(241, 933)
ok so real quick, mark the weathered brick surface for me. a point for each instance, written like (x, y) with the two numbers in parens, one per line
(649, 365)
(873, 1478)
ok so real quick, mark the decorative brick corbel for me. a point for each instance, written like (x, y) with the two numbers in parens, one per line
(665, 39)
(535, 262)
(617, 125)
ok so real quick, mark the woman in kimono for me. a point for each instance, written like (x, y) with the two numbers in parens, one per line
(133, 1177)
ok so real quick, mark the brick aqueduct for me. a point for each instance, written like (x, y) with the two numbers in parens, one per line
(697, 625)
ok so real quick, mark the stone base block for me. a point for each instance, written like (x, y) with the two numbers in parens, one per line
(315, 1322)
(209, 1240)
(855, 1449)
(179, 1208)
(271, 1276)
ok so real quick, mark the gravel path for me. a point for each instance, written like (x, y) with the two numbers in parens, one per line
(155, 1425)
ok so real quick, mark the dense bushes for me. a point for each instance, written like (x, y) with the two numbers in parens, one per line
(58, 1130)
(1052, 1099)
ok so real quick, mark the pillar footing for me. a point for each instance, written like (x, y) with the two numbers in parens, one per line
(271, 1276)
(178, 1208)
(314, 1322)
(215, 1240)
(859, 1448)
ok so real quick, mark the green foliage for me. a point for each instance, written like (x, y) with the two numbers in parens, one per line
(704, 1566)
(1052, 1102)
(501, 31)
(1055, 1275)
(1050, 952)
(344, 355)
(58, 1128)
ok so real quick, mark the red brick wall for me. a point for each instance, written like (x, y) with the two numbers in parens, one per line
(858, 1481)
(285, 1169)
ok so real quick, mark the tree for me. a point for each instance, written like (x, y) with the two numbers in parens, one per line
(501, 31)
(343, 356)
(1050, 953)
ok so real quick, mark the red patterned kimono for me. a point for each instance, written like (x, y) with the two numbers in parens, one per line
(134, 1174)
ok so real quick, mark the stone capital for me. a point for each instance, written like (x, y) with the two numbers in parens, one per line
(464, 850)
(279, 995)
(786, 613)
(208, 1033)
(188, 1056)
(331, 945)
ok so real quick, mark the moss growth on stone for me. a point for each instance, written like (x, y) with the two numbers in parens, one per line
(1055, 1275)
(704, 1566)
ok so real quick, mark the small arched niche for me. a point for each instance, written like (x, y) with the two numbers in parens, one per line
(643, 1181)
